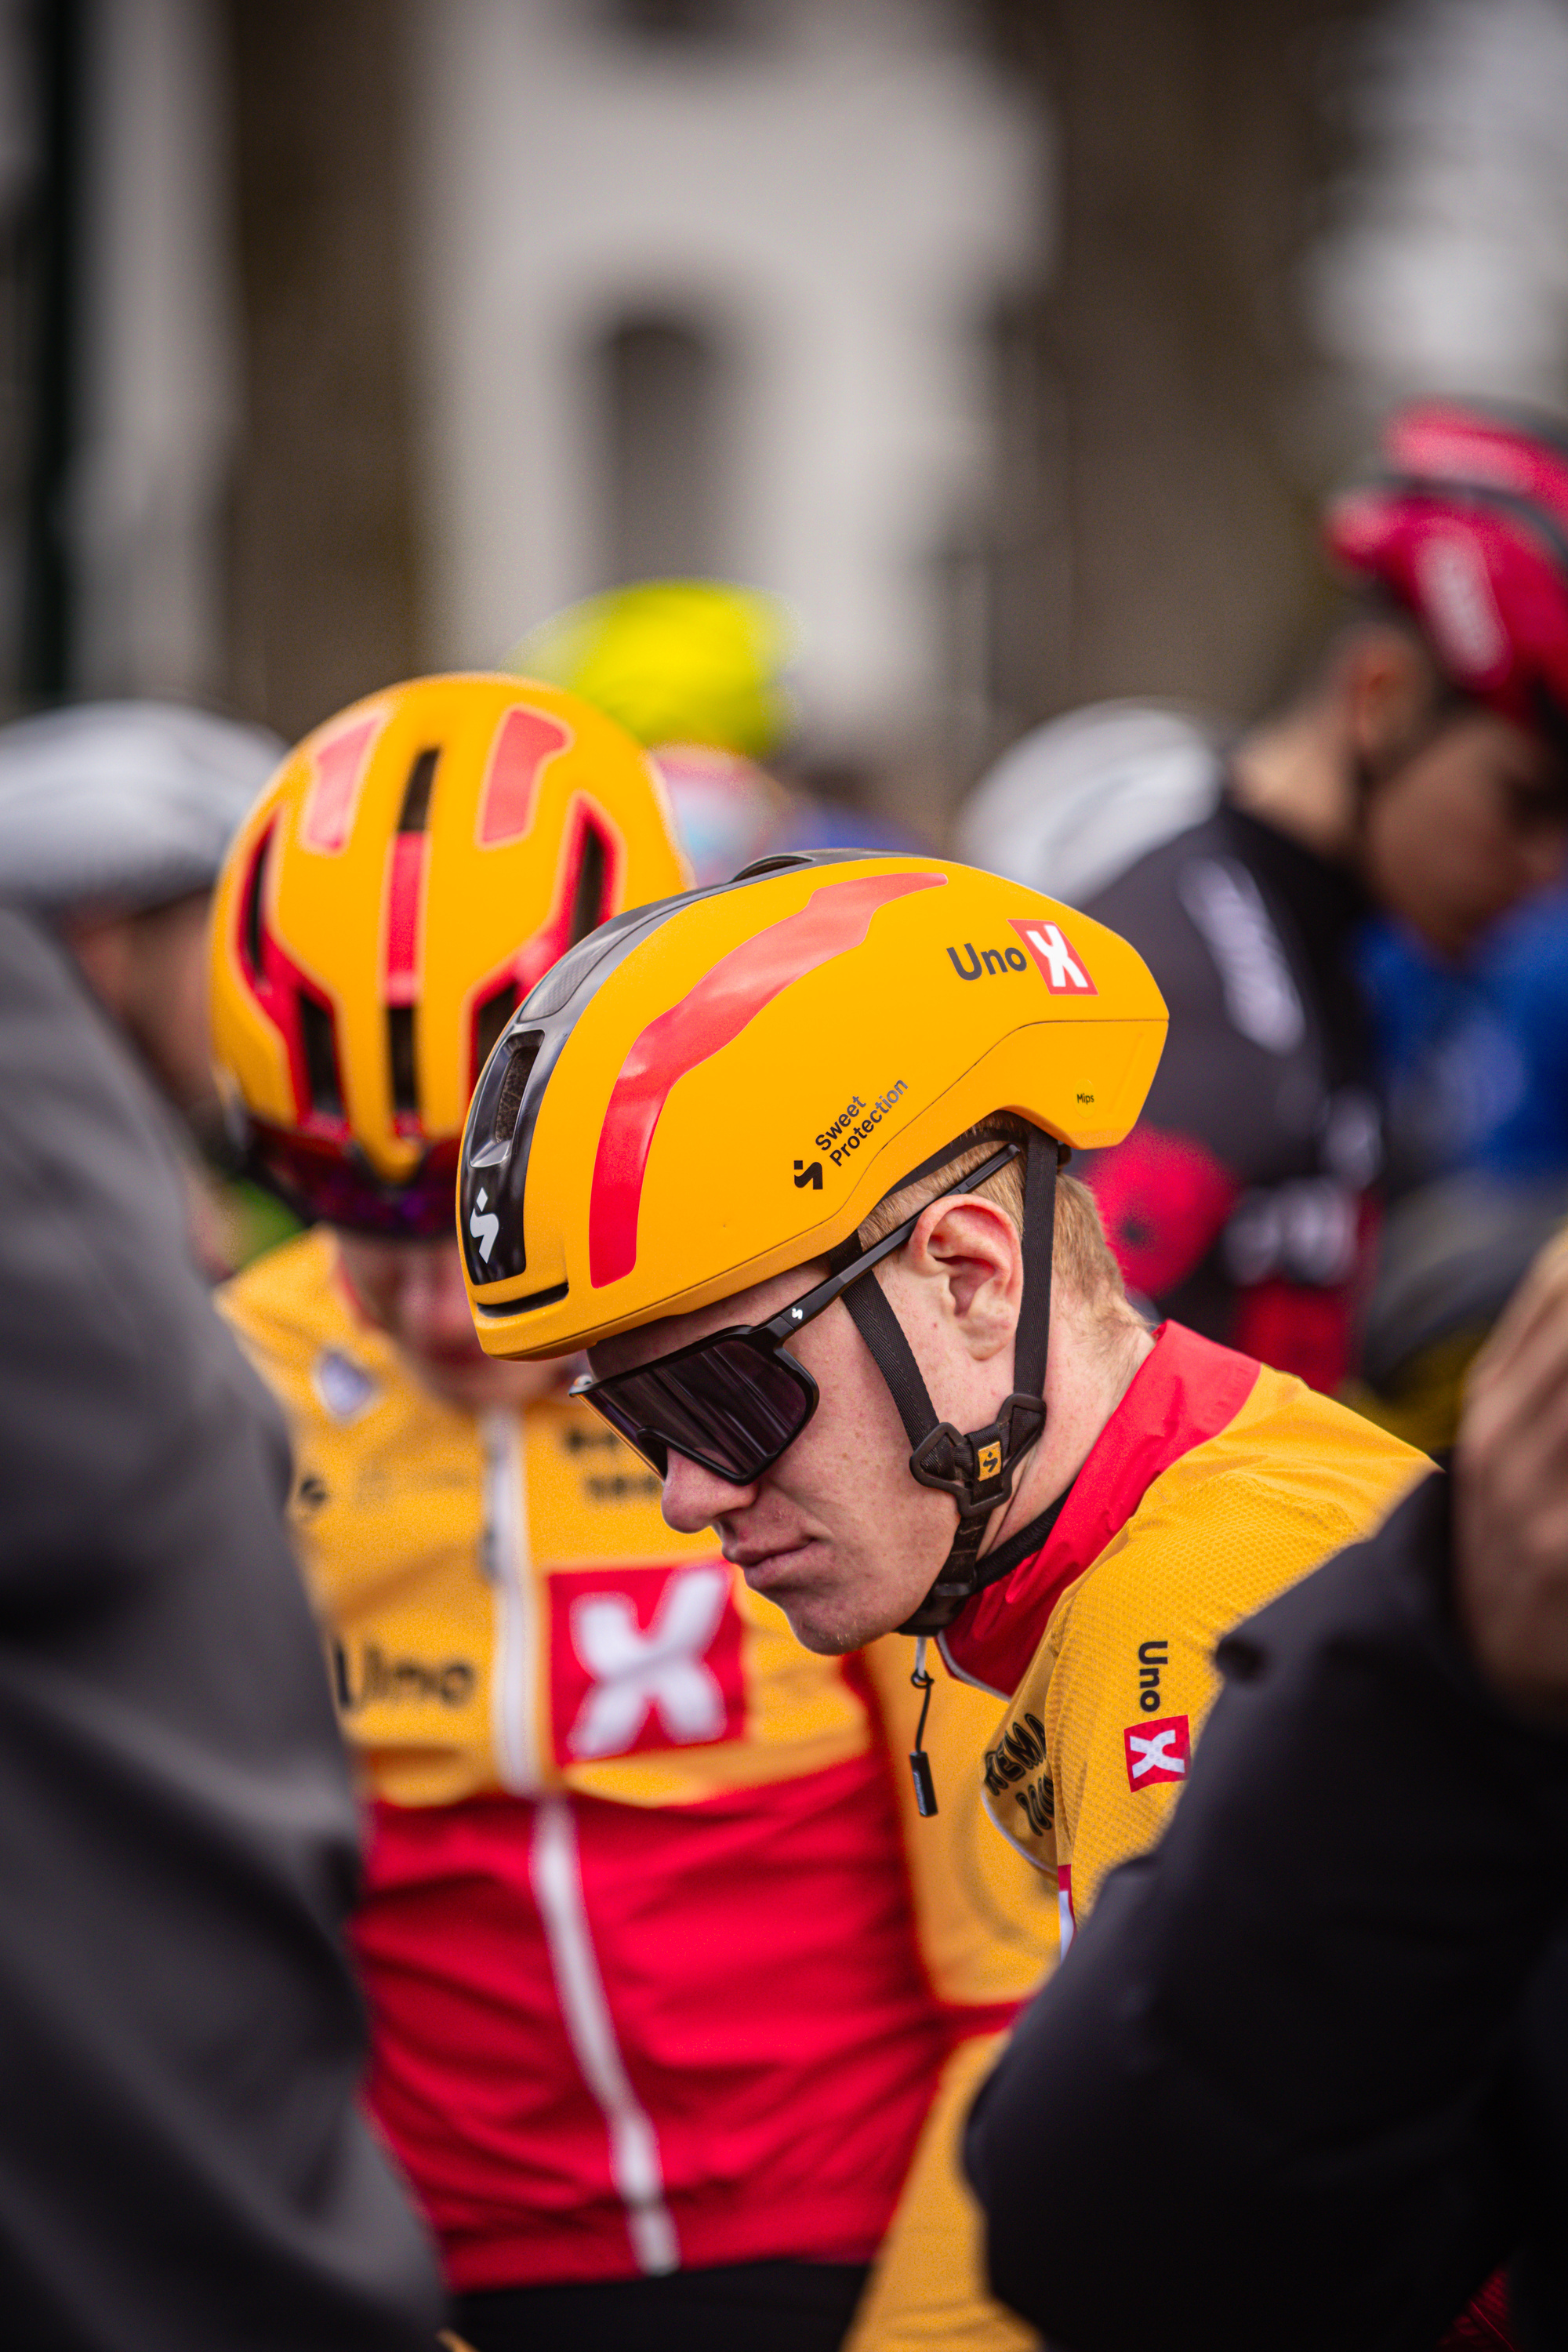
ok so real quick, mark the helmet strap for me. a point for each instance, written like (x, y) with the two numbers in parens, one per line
(976, 1466)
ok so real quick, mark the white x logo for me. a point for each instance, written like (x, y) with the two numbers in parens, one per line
(1153, 1752)
(1064, 972)
(634, 1672)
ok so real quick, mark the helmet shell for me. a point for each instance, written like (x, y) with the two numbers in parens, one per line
(413, 869)
(1466, 524)
(675, 661)
(128, 805)
(718, 1090)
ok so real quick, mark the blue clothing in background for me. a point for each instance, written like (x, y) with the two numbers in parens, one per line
(1474, 1059)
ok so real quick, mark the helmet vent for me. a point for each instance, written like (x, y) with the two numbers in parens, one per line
(489, 1021)
(514, 1086)
(400, 1054)
(320, 1057)
(250, 911)
(588, 896)
(415, 813)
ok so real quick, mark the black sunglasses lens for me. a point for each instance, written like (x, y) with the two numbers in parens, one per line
(654, 1451)
(731, 1407)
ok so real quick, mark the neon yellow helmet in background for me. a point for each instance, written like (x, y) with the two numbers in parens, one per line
(674, 661)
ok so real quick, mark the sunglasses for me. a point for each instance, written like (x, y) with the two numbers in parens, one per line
(337, 1186)
(733, 1402)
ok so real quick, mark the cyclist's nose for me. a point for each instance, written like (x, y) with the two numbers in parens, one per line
(694, 1498)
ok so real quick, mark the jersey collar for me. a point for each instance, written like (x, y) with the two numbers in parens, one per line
(1185, 1392)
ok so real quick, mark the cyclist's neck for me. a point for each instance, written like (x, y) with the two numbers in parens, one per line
(1295, 774)
(1093, 1362)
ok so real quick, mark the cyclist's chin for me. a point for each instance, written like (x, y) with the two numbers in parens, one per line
(831, 1615)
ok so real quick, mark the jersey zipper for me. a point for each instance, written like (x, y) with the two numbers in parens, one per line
(554, 1870)
(555, 1873)
(509, 1566)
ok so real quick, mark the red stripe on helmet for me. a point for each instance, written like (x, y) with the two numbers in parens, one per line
(834, 919)
(524, 741)
(404, 897)
(329, 813)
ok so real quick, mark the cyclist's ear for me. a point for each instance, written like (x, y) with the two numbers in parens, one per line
(969, 1254)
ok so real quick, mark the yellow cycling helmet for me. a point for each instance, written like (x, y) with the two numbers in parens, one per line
(412, 871)
(716, 1090)
(675, 661)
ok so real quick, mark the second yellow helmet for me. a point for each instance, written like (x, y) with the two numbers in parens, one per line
(413, 868)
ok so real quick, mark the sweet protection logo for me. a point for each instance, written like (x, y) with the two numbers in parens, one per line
(1158, 1751)
(644, 1658)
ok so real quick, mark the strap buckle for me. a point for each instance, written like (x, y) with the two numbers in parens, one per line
(977, 1468)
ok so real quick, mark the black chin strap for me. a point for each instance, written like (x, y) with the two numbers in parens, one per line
(976, 1468)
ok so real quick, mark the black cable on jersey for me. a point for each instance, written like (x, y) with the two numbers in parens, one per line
(993, 1569)
(920, 1762)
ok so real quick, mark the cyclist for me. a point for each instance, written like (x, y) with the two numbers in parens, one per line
(659, 2000)
(784, 1156)
(1422, 771)
(114, 817)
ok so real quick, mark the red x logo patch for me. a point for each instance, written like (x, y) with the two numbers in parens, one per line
(1158, 1751)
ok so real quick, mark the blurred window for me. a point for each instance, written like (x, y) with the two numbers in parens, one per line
(664, 404)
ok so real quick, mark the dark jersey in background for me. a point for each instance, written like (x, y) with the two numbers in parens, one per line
(1242, 1203)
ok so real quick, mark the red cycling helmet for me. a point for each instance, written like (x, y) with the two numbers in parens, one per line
(1466, 524)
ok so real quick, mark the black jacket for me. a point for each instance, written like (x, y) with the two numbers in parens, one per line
(1301, 2082)
(1240, 1204)
(182, 2162)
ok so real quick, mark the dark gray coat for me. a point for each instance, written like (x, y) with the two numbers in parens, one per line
(182, 2162)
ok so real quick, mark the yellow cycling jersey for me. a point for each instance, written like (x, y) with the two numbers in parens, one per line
(1215, 1484)
(508, 1609)
(450, 1555)
(504, 1607)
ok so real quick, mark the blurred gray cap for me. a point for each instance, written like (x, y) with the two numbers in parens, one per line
(123, 804)
(1077, 801)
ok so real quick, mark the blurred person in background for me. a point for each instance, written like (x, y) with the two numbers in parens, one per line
(182, 2161)
(1422, 770)
(672, 2029)
(697, 671)
(114, 817)
(1337, 1990)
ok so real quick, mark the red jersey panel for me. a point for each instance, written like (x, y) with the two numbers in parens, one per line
(776, 2039)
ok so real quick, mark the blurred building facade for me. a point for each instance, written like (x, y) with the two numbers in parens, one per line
(702, 291)
(1011, 340)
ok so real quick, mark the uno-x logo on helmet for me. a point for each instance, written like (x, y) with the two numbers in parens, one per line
(834, 919)
(1063, 972)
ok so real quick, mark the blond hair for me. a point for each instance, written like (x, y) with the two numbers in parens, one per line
(1081, 1257)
